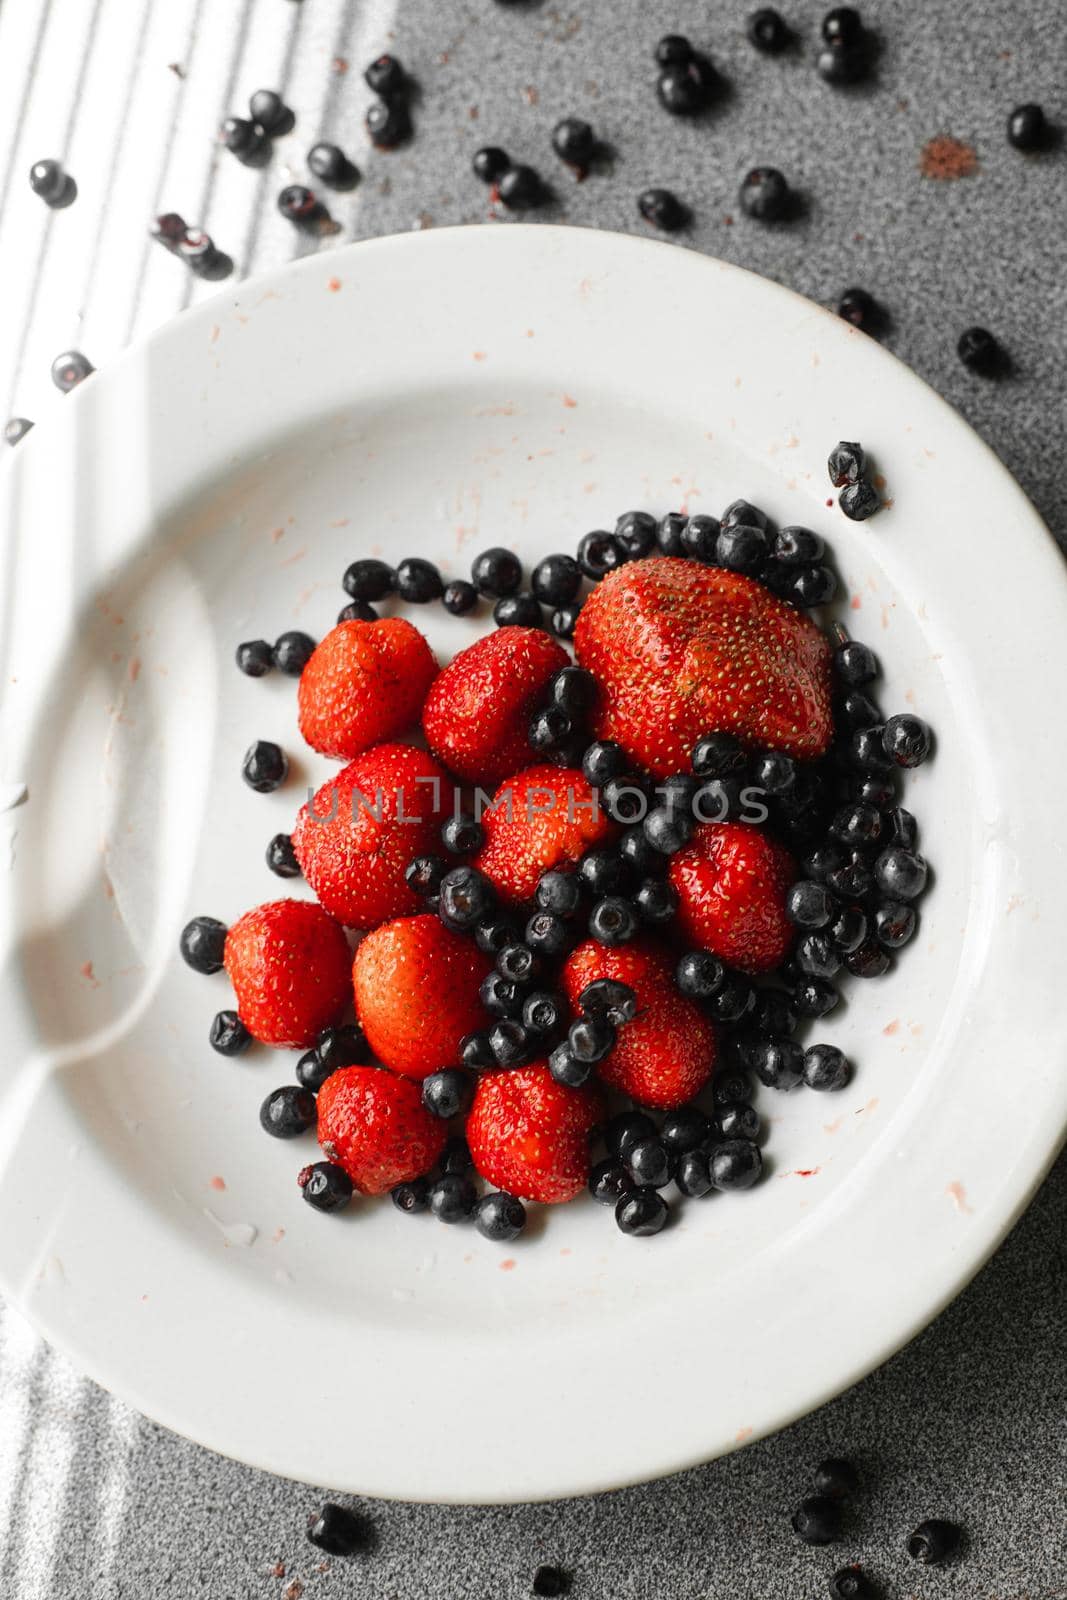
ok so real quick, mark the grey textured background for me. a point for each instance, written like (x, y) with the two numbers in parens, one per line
(969, 1421)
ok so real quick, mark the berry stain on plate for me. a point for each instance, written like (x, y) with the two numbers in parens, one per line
(687, 840)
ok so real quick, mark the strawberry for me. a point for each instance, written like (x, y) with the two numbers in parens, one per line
(374, 1125)
(529, 1135)
(665, 1055)
(645, 966)
(289, 964)
(544, 817)
(680, 649)
(731, 882)
(476, 715)
(356, 837)
(416, 986)
(364, 683)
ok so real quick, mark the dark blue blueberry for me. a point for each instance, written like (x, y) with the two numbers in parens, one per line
(903, 828)
(591, 1038)
(767, 30)
(388, 123)
(729, 1086)
(543, 1012)
(292, 652)
(476, 1051)
(386, 76)
(550, 1582)
(778, 1063)
(826, 1067)
(900, 874)
(700, 539)
(857, 710)
(835, 1478)
(693, 1176)
(667, 830)
(271, 112)
(548, 728)
(369, 579)
(894, 924)
(70, 369)
(663, 209)
(344, 1046)
(357, 611)
(574, 142)
(642, 1213)
(813, 586)
(599, 553)
(699, 974)
(651, 1163)
(603, 761)
(1028, 128)
(518, 611)
(325, 1185)
(501, 996)
(797, 547)
(311, 1073)
(718, 755)
(933, 1542)
(412, 1196)
(559, 892)
(861, 310)
(774, 772)
(839, 63)
(520, 188)
(842, 26)
(466, 897)
(742, 548)
(613, 921)
(735, 1164)
(848, 929)
(459, 597)
(548, 934)
(574, 691)
(298, 205)
(423, 874)
(636, 851)
(452, 1197)
(773, 1012)
(203, 944)
(846, 463)
(855, 663)
(447, 1093)
(684, 1128)
(686, 88)
(556, 580)
(869, 961)
(518, 963)
(281, 857)
(853, 879)
(418, 581)
(625, 801)
(669, 533)
(499, 1217)
(338, 1531)
(288, 1111)
(809, 904)
(907, 740)
(732, 999)
(244, 138)
(608, 998)
(265, 766)
(851, 1583)
(567, 1069)
(228, 1034)
(815, 997)
(609, 1181)
(817, 1520)
(626, 1130)
(672, 49)
(743, 511)
(492, 933)
(866, 751)
(656, 901)
(764, 194)
(817, 956)
(738, 1120)
(859, 500)
(51, 184)
(462, 834)
(331, 166)
(490, 163)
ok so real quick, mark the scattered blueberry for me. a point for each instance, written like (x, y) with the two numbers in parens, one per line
(459, 597)
(357, 611)
(70, 369)
(894, 924)
(839, 63)
(520, 188)
(656, 901)
(52, 185)
(543, 1012)
(244, 138)
(228, 1034)
(735, 1164)
(329, 164)
(550, 1582)
(412, 1196)
(288, 1111)
(861, 309)
(518, 611)
(281, 857)
(567, 1069)
(292, 652)
(1027, 128)
(203, 943)
(684, 1128)
(490, 163)
(574, 142)
(718, 755)
(673, 48)
(855, 663)
(980, 352)
(907, 740)
(826, 1067)
(447, 1093)
(325, 1185)
(388, 123)
(270, 111)
(641, 1213)
(777, 1062)
(555, 580)
(869, 961)
(609, 1181)
(591, 1038)
(254, 658)
(693, 1176)
(386, 76)
(462, 834)
(16, 428)
(369, 579)
(466, 897)
(817, 1520)
(662, 209)
(846, 463)
(669, 533)
(851, 1583)
(835, 1478)
(842, 26)
(603, 760)
(859, 500)
(738, 1120)
(564, 620)
(501, 996)
(452, 1197)
(418, 581)
(933, 1542)
(499, 1217)
(548, 934)
(600, 553)
(767, 30)
(338, 1531)
(651, 1163)
(765, 194)
(815, 997)
(265, 766)
(609, 998)
(686, 87)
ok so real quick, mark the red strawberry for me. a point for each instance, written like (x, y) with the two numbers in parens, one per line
(680, 650)
(476, 714)
(364, 683)
(731, 882)
(544, 817)
(416, 986)
(645, 966)
(364, 826)
(374, 1125)
(529, 1134)
(289, 964)
(665, 1055)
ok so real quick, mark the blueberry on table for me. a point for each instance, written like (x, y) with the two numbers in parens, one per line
(826, 1067)
(699, 974)
(509, 1042)
(574, 142)
(574, 690)
(903, 828)
(288, 1112)
(70, 369)
(490, 163)
(813, 586)
(254, 658)
(869, 961)
(51, 184)
(244, 138)
(855, 663)
(459, 597)
(567, 1069)
(767, 30)
(357, 611)
(555, 580)
(857, 710)
(672, 49)
(418, 581)
(412, 1197)
(651, 1163)
(386, 77)
(642, 1213)
(550, 1582)
(848, 929)
(520, 188)
(860, 309)
(423, 874)
(737, 1121)
(325, 1185)
(662, 209)
(228, 1034)
(452, 1197)
(686, 88)
(462, 834)
(842, 63)
(907, 740)
(311, 1071)
(203, 944)
(265, 766)
(625, 1130)
(777, 1062)
(980, 352)
(497, 572)
(894, 924)
(599, 553)
(338, 1531)
(934, 1541)
(16, 428)
(518, 611)
(499, 1217)
(292, 652)
(900, 874)
(684, 1128)
(693, 1176)
(559, 892)
(388, 123)
(476, 1051)
(835, 1478)
(1028, 128)
(270, 111)
(329, 164)
(846, 463)
(859, 500)
(851, 1583)
(817, 1520)
(735, 1164)
(669, 533)
(815, 997)
(700, 538)
(609, 1181)
(281, 857)
(369, 579)
(764, 194)
(842, 26)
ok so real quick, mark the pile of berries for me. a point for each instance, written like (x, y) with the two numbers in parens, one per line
(608, 894)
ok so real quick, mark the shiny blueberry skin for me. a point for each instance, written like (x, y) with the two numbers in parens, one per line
(462, 834)
(866, 751)
(564, 620)
(490, 163)
(848, 929)
(555, 580)
(835, 1478)
(520, 188)
(685, 88)
(636, 851)
(418, 581)
(344, 1046)
(510, 1043)
(388, 123)
(813, 586)
(357, 611)
(501, 996)
(499, 1217)
(559, 892)
(826, 1067)
(718, 755)
(693, 1176)
(281, 857)
(1028, 128)
(603, 872)
(669, 533)
(742, 548)
(386, 76)
(203, 943)
(255, 658)
(16, 428)
(815, 997)
(599, 553)
(668, 831)
(861, 310)
(684, 1129)
(846, 463)
(459, 597)
(744, 511)
(265, 766)
(767, 30)
(70, 369)
(369, 579)
(567, 1069)
(287, 1112)
(738, 1120)
(869, 961)
(244, 138)
(857, 710)
(331, 166)
(548, 934)
(518, 611)
(842, 63)
(778, 1063)
(543, 1012)
(338, 1531)
(548, 728)
(423, 874)
(933, 1542)
(857, 825)
(894, 924)
(859, 500)
(476, 1051)
(842, 25)
(700, 538)
(271, 112)
(626, 1130)
(574, 142)
(297, 203)
(466, 897)
(980, 352)
(412, 1196)
(900, 874)
(851, 1583)
(764, 194)
(773, 1012)
(608, 1181)
(795, 546)
(452, 1197)
(735, 1164)
(809, 905)
(651, 1163)
(447, 1093)
(662, 209)
(656, 901)
(325, 1186)
(311, 1071)
(672, 48)
(731, 1000)
(642, 1213)
(699, 974)
(518, 963)
(574, 690)
(855, 663)
(817, 956)
(907, 740)
(591, 1038)
(497, 572)
(228, 1034)
(603, 761)
(609, 998)
(817, 1520)
(51, 184)
(292, 652)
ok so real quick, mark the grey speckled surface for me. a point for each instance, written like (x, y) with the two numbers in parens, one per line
(968, 1421)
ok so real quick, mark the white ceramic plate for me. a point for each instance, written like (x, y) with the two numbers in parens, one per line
(435, 394)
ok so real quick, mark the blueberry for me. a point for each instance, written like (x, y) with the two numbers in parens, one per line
(456, 1156)
(423, 874)
(591, 1038)
(817, 956)
(767, 30)
(866, 751)
(70, 369)
(228, 1034)
(412, 1196)
(672, 49)
(608, 999)
(900, 874)
(656, 901)
(773, 1012)
(1027, 128)
(778, 1063)
(894, 924)
(669, 533)
(447, 1093)
(600, 553)
(795, 546)
(386, 76)
(357, 611)
(52, 185)
(499, 1217)
(501, 996)
(764, 194)
(903, 828)
(815, 997)
(699, 974)
(452, 1197)
(813, 586)
(718, 755)
(933, 1542)
(809, 905)
(859, 501)
(861, 310)
(907, 740)
(700, 540)
(730, 1087)
(574, 690)
(613, 921)
(850, 1583)
(459, 597)
(520, 188)
(855, 663)
(735, 1164)
(636, 851)
(518, 611)
(297, 204)
(662, 209)
(369, 579)
(817, 1520)
(651, 1163)
(325, 1185)
(842, 26)
(418, 581)
(244, 139)
(281, 857)
(731, 1000)
(642, 1213)
(559, 892)
(310, 1071)
(846, 463)
(609, 1181)
(550, 1582)
(292, 652)
(848, 929)
(466, 897)
(564, 620)
(476, 1051)
(543, 1012)
(685, 88)
(774, 772)
(684, 1128)
(331, 166)
(603, 872)
(555, 580)
(203, 943)
(744, 511)
(835, 1479)
(668, 831)
(826, 1067)
(625, 1130)
(490, 163)
(603, 761)
(548, 934)
(345, 1046)
(548, 729)
(574, 142)
(462, 834)
(16, 428)
(693, 1176)
(338, 1531)
(625, 800)
(742, 548)
(840, 63)
(857, 710)
(857, 826)
(869, 961)
(518, 963)
(271, 112)
(739, 1120)
(567, 1069)
(388, 123)
(288, 1111)
(265, 766)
